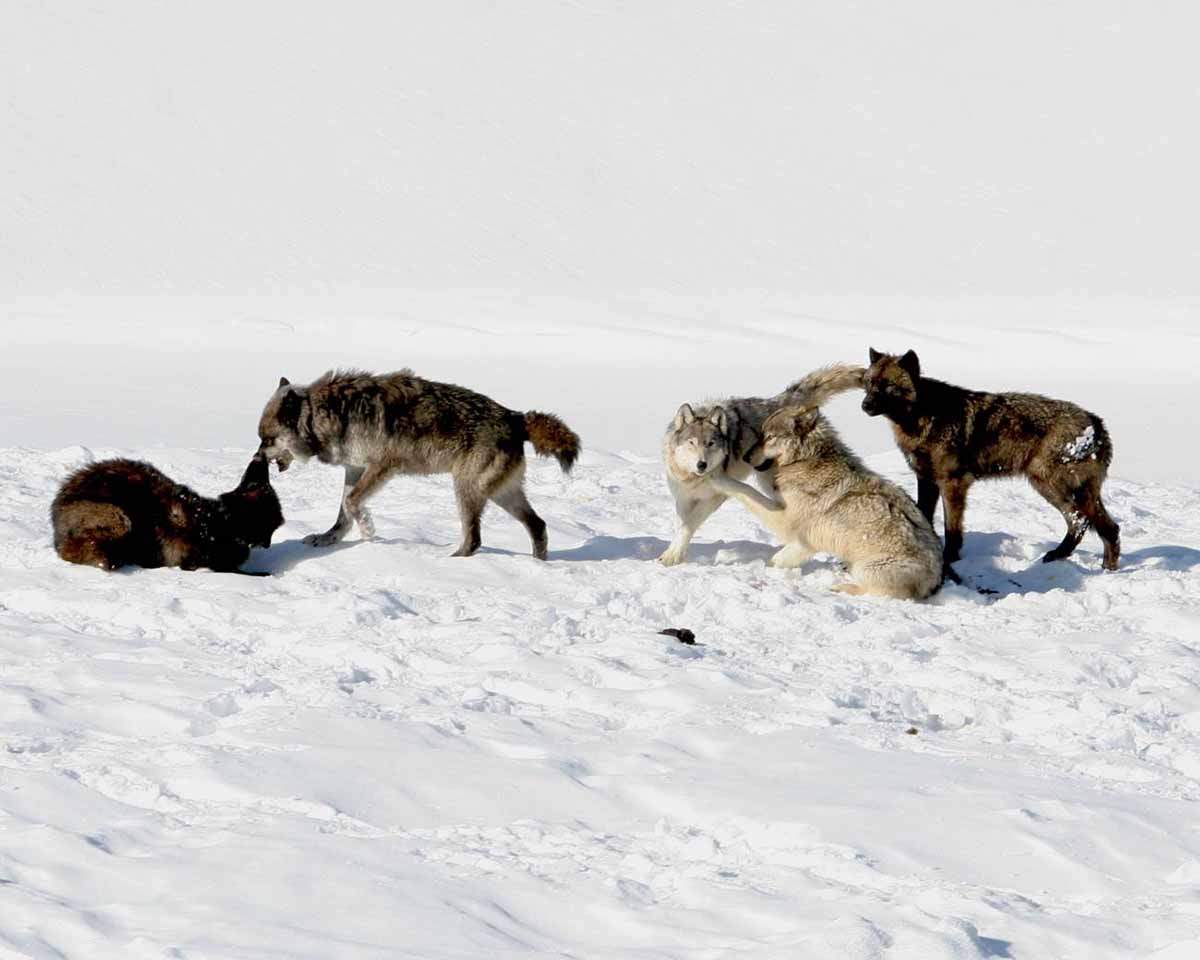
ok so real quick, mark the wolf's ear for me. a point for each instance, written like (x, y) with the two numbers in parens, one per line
(719, 419)
(256, 474)
(804, 420)
(732, 422)
(683, 416)
(873, 354)
(283, 382)
(910, 363)
(289, 409)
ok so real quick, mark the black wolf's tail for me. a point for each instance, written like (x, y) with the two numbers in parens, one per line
(552, 438)
(1104, 448)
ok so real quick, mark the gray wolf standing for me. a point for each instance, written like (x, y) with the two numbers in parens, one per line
(118, 513)
(952, 437)
(398, 423)
(711, 438)
(825, 500)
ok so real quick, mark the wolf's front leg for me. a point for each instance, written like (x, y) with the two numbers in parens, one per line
(692, 513)
(757, 502)
(341, 526)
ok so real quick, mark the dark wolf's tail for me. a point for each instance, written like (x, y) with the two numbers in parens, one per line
(817, 387)
(552, 438)
(1104, 448)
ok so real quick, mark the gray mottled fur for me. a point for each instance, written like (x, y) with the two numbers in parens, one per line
(378, 426)
(717, 437)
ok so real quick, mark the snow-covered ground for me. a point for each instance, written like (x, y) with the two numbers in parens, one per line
(380, 750)
(602, 209)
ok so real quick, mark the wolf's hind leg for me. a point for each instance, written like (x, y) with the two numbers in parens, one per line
(1106, 526)
(1092, 507)
(1077, 521)
(512, 499)
(87, 551)
(92, 534)
(901, 578)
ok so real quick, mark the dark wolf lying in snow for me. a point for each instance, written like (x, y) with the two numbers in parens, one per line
(118, 513)
(952, 437)
(377, 426)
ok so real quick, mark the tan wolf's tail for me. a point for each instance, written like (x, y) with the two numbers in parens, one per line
(552, 438)
(817, 387)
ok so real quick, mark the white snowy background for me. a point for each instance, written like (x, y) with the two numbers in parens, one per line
(603, 209)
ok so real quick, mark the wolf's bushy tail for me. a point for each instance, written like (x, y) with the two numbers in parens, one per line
(1104, 447)
(817, 387)
(552, 438)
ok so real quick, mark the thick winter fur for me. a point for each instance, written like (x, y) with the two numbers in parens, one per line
(952, 437)
(713, 438)
(118, 513)
(826, 501)
(397, 423)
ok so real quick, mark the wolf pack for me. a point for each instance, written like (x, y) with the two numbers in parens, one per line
(778, 456)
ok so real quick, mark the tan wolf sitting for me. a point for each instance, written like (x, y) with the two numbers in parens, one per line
(827, 501)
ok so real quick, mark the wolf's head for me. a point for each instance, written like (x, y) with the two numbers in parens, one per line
(890, 384)
(252, 508)
(700, 445)
(784, 434)
(279, 426)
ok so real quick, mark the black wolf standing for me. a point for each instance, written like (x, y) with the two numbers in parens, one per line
(952, 437)
(398, 423)
(117, 513)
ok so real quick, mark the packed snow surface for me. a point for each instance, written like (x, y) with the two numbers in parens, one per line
(383, 751)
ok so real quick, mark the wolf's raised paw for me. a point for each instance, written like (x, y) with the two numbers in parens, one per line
(670, 557)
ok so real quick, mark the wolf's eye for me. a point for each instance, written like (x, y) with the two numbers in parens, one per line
(711, 443)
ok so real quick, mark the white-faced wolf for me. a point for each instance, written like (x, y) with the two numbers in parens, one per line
(378, 426)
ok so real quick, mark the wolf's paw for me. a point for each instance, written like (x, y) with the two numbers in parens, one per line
(671, 557)
(366, 526)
